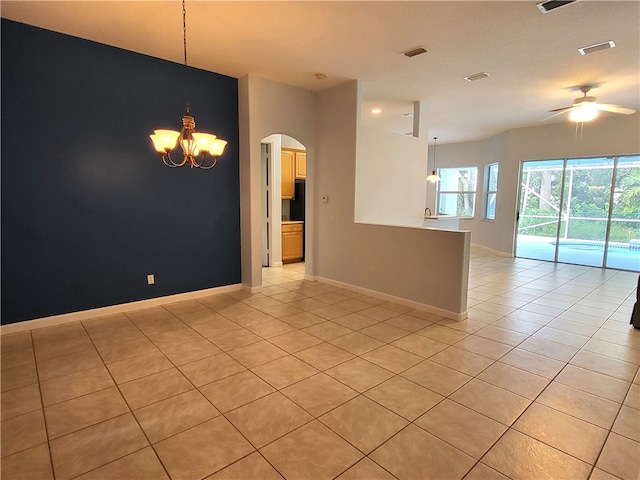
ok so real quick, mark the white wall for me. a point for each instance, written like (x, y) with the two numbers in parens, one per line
(610, 135)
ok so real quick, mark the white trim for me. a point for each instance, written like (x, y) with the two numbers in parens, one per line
(392, 298)
(112, 309)
(250, 289)
(495, 252)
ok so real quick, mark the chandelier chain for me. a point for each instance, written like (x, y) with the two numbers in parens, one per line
(186, 69)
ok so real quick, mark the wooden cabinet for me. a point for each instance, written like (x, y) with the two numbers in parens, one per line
(287, 164)
(301, 165)
(292, 242)
(293, 167)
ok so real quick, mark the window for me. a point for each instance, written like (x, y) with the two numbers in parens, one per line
(457, 191)
(490, 191)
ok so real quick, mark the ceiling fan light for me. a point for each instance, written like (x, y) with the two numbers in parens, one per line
(583, 114)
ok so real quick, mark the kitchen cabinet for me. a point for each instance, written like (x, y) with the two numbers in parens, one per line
(287, 166)
(292, 241)
(300, 165)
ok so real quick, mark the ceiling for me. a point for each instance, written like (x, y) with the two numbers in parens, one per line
(532, 58)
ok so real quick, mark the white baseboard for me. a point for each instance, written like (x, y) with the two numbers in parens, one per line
(113, 309)
(491, 250)
(392, 298)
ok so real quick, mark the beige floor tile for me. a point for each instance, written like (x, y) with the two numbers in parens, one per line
(234, 339)
(69, 364)
(92, 447)
(256, 354)
(422, 315)
(356, 343)
(598, 474)
(392, 358)
(141, 465)
(494, 402)
(403, 397)
(619, 352)
(502, 335)
(295, 341)
(174, 415)
(58, 333)
(17, 377)
(327, 330)
(16, 341)
(518, 381)
(379, 313)
(363, 423)
(236, 390)
(268, 418)
(114, 352)
(72, 386)
(33, 463)
(384, 332)
(319, 394)
(532, 362)
(22, 432)
(211, 369)
(359, 374)
(155, 320)
(217, 327)
(183, 334)
(483, 346)
(519, 456)
(517, 325)
(354, 305)
(619, 457)
(606, 365)
(155, 387)
(17, 357)
(49, 350)
(270, 328)
(324, 356)
(482, 472)
(330, 312)
(408, 323)
(633, 397)
(284, 371)
(628, 423)
(191, 312)
(420, 345)
(561, 336)
(477, 320)
(112, 329)
(20, 401)
(548, 348)
(436, 377)
(306, 304)
(414, 453)
(443, 334)
(461, 360)
(355, 321)
(313, 451)
(304, 319)
(139, 366)
(181, 353)
(568, 434)
(365, 469)
(253, 466)
(583, 405)
(198, 452)
(77, 413)
(593, 382)
(461, 427)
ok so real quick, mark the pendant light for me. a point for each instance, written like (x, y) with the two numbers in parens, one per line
(199, 150)
(433, 178)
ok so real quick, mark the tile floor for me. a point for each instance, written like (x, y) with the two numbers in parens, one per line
(308, 381)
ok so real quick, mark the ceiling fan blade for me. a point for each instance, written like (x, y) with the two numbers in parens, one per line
(607, 107)
(563, 109)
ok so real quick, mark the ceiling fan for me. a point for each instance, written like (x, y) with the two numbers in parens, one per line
(585, 109)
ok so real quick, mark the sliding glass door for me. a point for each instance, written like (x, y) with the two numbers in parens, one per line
(584, 211)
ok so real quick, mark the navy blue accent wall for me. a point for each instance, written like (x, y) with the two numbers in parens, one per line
(88, 208)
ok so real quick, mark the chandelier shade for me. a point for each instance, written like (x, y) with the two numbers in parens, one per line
(199, 150)
(434, 177)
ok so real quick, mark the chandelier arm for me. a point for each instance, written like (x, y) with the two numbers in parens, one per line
(168, 163)
(215, 162)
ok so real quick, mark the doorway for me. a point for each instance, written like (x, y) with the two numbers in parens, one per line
(583, 211)
(284, 206)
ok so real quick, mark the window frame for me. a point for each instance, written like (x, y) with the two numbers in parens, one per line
(472, 193)
(488, 192)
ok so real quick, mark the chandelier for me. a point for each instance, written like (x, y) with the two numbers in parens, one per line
(434, 177)
(199, 150)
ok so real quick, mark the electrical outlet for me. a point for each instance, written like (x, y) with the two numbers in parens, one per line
(325, 199)
(151, 279)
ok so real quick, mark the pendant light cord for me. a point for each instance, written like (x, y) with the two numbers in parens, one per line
(186, 69)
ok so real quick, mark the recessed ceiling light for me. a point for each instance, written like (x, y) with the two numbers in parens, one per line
(320, 76)
(414, 52)
(476, 76)
(596, 47)
(376, 111)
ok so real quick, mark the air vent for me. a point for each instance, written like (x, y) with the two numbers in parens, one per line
(546, 7)
(597, 47)
(414, 52)
(476, 76)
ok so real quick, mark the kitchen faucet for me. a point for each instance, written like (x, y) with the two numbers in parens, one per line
(425, 212)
